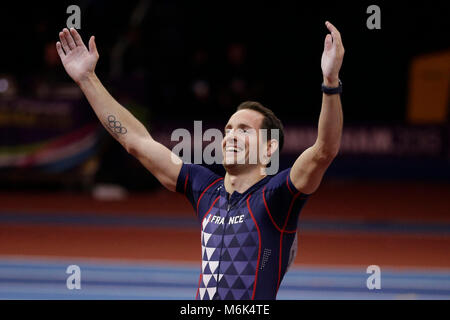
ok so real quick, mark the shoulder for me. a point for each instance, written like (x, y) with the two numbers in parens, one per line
(196, 176)
(197, 171)
(282, 180)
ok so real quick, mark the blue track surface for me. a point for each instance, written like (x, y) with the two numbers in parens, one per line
(126, 220)
(37, 278)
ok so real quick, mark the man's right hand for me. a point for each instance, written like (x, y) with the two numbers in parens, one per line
(78, 61)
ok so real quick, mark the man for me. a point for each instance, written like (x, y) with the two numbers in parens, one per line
(248, 219)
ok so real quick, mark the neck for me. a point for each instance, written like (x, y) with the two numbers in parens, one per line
(241, 181)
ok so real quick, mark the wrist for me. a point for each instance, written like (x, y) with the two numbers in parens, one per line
(87, 79)
(331, 88)
(331, 82)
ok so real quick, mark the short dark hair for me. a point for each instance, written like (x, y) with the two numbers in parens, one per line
(270, 120)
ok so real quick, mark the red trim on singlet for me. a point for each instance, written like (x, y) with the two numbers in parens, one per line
(199, 281)
(198, 202)
(287, 183)
(201, 270)
(271, 218)
(279, 261)
(185, 183)
(259, 249)
(281, 236)
(214, 202)
(268, 211)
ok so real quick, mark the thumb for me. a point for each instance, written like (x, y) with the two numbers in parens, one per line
(92, 46)
(328, 42)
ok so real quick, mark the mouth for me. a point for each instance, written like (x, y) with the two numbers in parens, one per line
(233, 149)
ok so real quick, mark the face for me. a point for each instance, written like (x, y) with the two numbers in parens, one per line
(240, 144)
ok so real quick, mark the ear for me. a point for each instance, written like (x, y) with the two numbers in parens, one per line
(272, 147)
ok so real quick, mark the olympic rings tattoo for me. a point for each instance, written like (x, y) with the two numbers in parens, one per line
(115, 125)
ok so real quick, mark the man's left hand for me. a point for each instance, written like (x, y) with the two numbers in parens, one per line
(332, 56)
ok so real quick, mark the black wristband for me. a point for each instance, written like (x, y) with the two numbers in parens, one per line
(329, 90)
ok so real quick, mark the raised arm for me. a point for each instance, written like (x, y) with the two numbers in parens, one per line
(310, 166)
(79, 63)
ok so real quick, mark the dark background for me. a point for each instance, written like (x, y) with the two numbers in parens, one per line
(197, 60)
(179, 42)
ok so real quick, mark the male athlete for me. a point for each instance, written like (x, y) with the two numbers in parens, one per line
(248, 219)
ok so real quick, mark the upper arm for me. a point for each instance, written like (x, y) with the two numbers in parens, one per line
(309, 168)
(159, 160)
(283, 202)
(198, 184)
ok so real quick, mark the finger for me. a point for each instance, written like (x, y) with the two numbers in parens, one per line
(331, 27)
(334, 32)
(60, 50)
(92, 45)
(69, 39)
(64, 42)
(328, 42)
(76, 36)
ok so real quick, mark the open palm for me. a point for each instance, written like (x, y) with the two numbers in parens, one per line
(78, 61)
(333, 54)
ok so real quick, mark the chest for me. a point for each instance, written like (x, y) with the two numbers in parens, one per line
(229, 225)
(226, 217)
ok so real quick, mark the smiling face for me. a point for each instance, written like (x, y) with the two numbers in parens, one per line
(241, 142)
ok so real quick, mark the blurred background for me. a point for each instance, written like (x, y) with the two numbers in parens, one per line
(69, 193)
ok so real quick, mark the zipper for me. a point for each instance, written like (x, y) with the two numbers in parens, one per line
(229, 206)
(223, 236)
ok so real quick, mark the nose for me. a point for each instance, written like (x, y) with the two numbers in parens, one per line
(230, 138)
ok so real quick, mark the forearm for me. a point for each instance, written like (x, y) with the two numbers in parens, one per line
(117, 120)
(309, 168)
(330, 125)
(79, 63)
(133, 136)
(330, 121)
